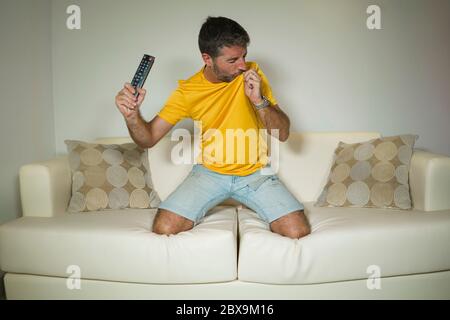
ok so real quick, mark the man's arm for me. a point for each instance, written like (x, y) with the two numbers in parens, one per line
(144, 134)
(147, 134)
(272, 116)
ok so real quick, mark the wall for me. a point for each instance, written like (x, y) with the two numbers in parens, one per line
(27, 131)
(328, 71)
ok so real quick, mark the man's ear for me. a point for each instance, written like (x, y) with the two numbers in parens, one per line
(207, 59)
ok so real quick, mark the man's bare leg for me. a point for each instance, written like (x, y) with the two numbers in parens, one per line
(293, 225)
(167, 222)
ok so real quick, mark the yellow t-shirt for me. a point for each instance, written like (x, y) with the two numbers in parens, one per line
(231, 140)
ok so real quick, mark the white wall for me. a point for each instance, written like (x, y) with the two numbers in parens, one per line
(26, 124)
(329, 72)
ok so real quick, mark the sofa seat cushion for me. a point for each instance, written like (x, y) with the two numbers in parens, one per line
(118, 246)
(343, 244)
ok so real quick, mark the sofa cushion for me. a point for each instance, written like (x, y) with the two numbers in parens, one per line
(372, 173)
(343, 244)
(119, 246)
(110, 176)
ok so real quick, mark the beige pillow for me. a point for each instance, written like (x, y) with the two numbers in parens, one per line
(110, 177)
(371, 174)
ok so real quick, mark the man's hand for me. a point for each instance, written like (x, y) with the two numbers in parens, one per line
(127, 103)
(252, 85)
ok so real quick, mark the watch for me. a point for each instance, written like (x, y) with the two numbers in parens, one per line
(264, 104)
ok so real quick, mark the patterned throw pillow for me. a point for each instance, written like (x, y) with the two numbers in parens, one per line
(371, 174)
(109, 177)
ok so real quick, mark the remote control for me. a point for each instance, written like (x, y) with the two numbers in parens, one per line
(142, 72)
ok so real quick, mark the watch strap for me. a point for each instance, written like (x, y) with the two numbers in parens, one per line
(264, 104)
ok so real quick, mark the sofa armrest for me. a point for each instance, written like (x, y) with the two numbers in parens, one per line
(45, 187)
(429, 178)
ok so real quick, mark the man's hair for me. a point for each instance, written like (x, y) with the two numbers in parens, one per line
(219, 32)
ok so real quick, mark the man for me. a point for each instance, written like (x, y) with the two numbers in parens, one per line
(226, 94)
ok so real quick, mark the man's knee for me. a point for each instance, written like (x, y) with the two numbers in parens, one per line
(297, 232)
(167, 222)
(293, 225)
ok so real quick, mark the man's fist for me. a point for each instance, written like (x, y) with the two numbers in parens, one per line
(127, 103)
(252, 86)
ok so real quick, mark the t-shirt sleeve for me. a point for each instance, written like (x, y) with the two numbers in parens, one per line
(175, 108)
(266, 88)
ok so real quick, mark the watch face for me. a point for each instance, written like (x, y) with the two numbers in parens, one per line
(264, 104)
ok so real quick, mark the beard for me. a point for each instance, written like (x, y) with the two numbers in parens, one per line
(224, 76)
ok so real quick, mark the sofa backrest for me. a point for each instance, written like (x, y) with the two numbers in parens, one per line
(305, 160)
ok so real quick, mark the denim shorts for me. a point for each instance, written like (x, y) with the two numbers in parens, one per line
(203, 189)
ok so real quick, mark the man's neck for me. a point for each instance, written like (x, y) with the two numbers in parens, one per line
(210, 75)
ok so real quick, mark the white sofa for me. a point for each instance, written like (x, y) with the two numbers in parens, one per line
(232, 254)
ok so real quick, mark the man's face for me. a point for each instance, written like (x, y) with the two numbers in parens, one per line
(230, 63)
